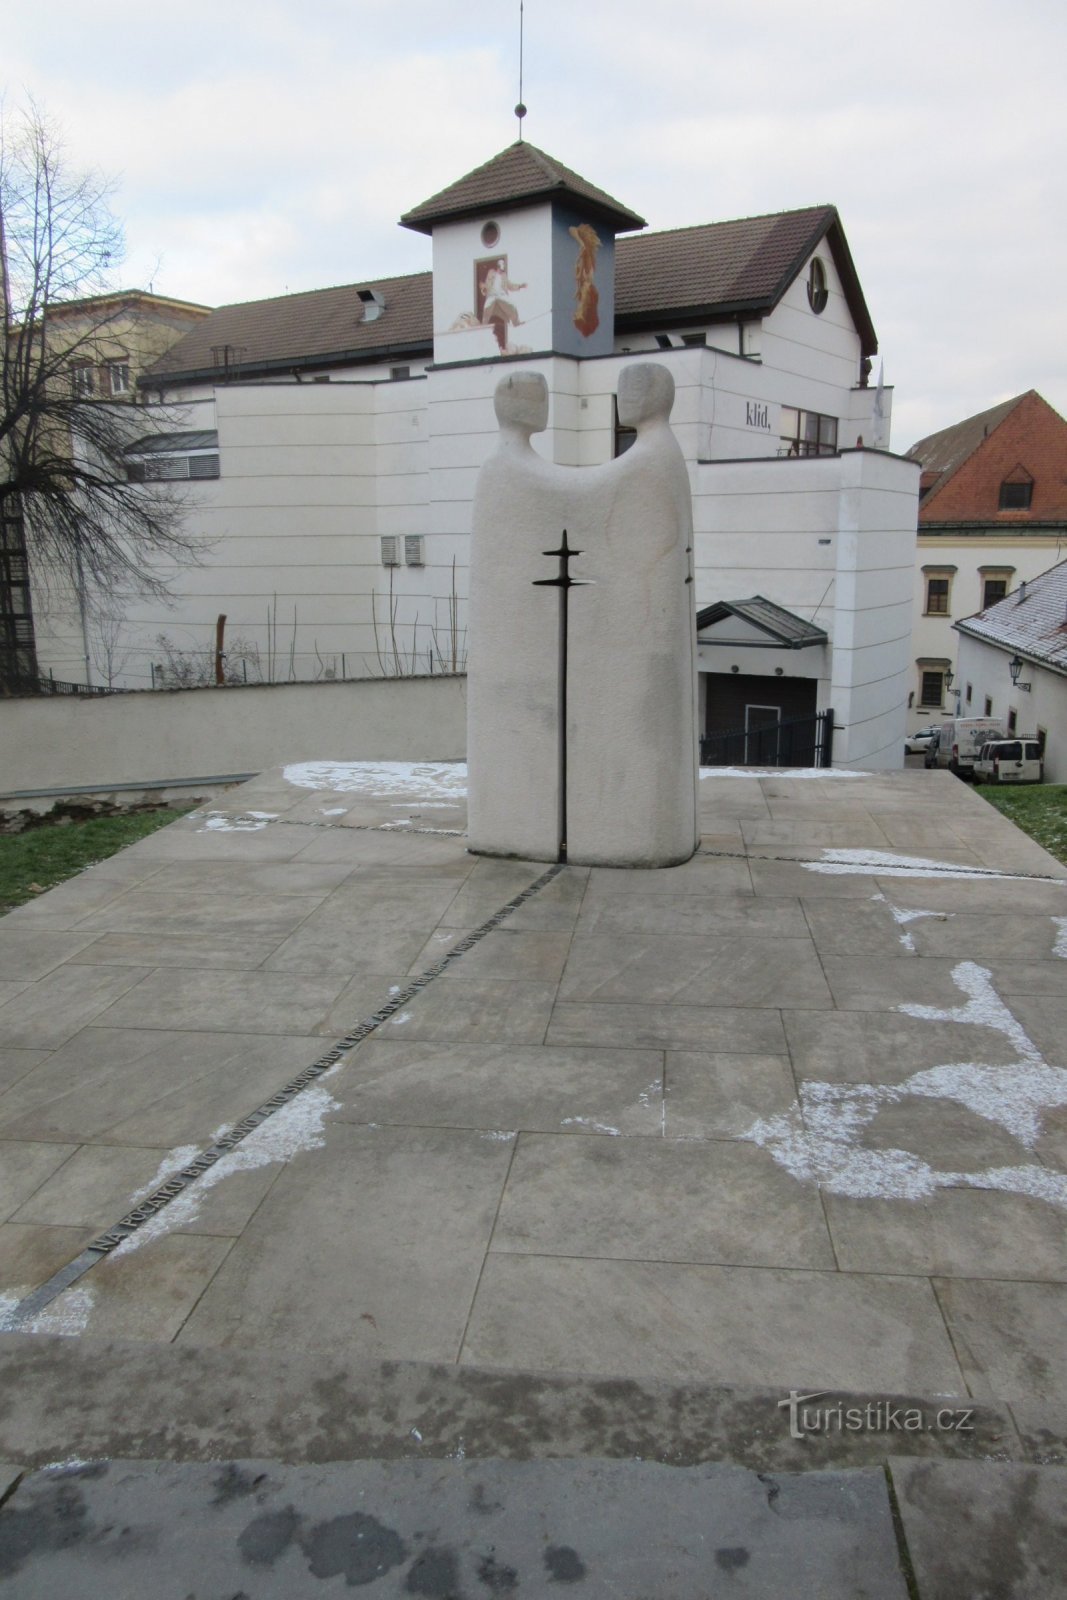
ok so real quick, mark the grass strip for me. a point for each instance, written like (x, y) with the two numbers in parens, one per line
(1039, 809)
(40, 857)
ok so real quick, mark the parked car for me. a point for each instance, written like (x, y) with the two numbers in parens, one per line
(930, 753)
(962, 738)
(1009, 761)
(917, 743)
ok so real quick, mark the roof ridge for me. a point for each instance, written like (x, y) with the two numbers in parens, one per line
(328, 288)
(726, 222)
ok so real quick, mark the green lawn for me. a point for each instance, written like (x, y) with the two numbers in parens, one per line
(1040, 809)
(43, 856)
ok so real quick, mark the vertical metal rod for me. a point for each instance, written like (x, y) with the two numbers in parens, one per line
(564, 601)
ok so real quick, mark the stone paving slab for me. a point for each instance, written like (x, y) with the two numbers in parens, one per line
(448, 1529)
(654, 1123)
(979, 1530)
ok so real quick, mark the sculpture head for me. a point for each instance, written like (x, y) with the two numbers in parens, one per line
(646, 393)
(521, 402)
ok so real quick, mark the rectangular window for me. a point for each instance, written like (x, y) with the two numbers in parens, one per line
(1012, 721)
(806, 433)
(1016, 496)
(993, 589)
(937, 590)
(164, 469)
(396, 373)
(968, 694)
(988, 706)
(932, 688)
(119, 375)
(81, 380)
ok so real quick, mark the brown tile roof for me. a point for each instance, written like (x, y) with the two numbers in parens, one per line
(520, 173)
(716, 263)
(713, 270)
(318, 326)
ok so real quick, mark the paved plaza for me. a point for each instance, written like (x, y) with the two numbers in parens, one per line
(790, 1117)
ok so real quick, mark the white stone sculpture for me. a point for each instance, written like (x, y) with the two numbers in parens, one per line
(631, 765)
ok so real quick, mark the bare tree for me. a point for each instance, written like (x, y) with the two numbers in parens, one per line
(62, 464)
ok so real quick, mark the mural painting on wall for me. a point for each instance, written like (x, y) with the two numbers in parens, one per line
(586, 297)
(493, 304)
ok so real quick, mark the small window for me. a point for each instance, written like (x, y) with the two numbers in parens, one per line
(119, 377)
(1042, 735)
(806, 433)
(396, 373)
(82, 381)
(1013, 722)
(968, 694)
(390, 550)
(1016, 496)
(993, 589)
(818, 294)
(988, 706)
(932, 688)
(937, 596)
(694, 338)
(413, 549)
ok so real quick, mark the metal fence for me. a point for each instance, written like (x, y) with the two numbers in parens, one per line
(795, 742)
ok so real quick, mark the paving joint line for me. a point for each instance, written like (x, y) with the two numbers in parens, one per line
(39, 1299)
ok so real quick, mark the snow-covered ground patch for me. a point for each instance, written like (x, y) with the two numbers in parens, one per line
(68, 1315)
(888, 864)
(780, 772)
(296, 1127)
(820, 1139)
(240, 822)
(415, 780)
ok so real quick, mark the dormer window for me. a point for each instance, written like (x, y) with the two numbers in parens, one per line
(1016, 494)
(818, 293)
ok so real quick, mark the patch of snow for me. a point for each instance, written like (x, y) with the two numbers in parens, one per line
(405, 1016)
(296, 1127)
(780, 772)
(421, 780)
(885, 864)
(500, 1134)
(587, 1122)
(67, 1316)
(334, 811)
(1060, 947)
(902, 916)
(243, 822)
(819, 1140)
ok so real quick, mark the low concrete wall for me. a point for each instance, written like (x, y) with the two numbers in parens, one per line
(156, 740)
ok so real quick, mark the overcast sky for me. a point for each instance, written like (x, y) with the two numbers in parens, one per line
(266, 147)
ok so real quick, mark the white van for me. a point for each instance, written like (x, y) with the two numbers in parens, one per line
(1009, 761)
(962, 739)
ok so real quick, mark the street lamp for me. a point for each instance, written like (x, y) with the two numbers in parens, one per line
(1015, 666)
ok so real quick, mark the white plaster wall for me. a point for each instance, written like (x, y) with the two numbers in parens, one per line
(526, 241)
(1045, 706)
(872, 610)
(150, 739)
(820, 354)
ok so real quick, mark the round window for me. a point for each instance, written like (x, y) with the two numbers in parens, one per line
(490, 235)
(818, 293)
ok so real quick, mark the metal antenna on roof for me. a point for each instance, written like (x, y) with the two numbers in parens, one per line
(520, 109)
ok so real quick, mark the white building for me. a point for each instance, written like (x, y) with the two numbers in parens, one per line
(332, 440)
(1014, 657)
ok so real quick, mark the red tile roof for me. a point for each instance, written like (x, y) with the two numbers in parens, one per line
(967, 463)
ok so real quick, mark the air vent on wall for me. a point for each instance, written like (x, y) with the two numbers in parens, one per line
(413, 549)
(390, 550)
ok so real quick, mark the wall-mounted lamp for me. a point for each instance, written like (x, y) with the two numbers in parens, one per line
(950, 677)
(1015, 666)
